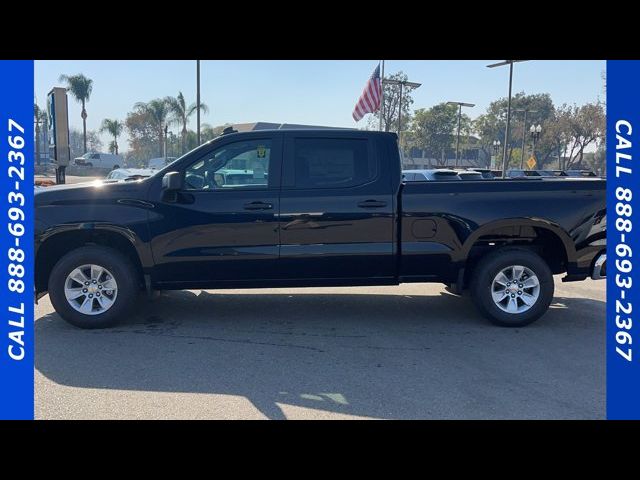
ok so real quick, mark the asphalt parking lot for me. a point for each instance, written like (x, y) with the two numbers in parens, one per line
(413, 351)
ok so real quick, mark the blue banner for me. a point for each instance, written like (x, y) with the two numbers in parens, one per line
(623, 285)
(16, 240)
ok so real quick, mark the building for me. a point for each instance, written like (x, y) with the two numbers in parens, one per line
(470, 156)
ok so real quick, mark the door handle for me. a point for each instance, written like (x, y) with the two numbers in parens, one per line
(372, 204)
(258, 206)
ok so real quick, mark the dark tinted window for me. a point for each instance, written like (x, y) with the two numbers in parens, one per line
(332, 163)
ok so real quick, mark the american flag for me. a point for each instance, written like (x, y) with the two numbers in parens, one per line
(369, 101)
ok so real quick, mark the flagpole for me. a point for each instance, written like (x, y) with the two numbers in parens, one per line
(382, 98)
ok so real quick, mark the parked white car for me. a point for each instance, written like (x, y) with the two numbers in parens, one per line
(130, 173)
(107, 161)
(159, 162)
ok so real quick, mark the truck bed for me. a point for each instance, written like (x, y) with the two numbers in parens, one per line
(444, 223)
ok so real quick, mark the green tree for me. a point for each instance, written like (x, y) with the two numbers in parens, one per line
(434, 129)
(155, 114)
(491, 126)
(208, 132)
(114, 128)
(77, 139)
(80, 88)
(181, 113)
(584, 126)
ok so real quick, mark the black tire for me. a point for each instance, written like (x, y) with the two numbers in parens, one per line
(88, 164)
(125, 276)
(487, 269)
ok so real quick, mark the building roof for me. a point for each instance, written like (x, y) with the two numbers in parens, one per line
(250, 127)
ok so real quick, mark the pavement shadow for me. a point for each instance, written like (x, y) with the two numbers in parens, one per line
(371, 355)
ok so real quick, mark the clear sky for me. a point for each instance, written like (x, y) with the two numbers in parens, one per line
(310, 91)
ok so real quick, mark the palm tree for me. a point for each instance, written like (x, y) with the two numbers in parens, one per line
(180, 114)
(114, 128)
(157, 111)
(80, 87)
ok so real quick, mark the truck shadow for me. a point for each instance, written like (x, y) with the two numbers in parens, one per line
(367, 355)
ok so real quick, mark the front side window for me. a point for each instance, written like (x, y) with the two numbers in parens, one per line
(332, 163)
(239, 165)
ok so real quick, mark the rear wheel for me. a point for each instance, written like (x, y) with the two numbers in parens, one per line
(512, 287)
(93, 287)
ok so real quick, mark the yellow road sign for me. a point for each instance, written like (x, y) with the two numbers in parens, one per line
(531, 162)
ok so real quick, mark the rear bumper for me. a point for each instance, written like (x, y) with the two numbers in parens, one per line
(600, 267)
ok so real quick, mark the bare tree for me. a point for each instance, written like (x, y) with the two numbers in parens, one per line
(391, 103)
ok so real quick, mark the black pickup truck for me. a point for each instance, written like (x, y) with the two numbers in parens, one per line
(312, 208)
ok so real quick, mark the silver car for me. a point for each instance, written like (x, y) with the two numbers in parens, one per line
(431, 175)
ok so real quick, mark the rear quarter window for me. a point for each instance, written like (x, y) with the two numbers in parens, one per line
(333, 162)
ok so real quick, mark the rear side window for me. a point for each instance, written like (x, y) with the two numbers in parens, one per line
(332, 163)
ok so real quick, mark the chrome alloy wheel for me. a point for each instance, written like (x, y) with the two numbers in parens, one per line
(515, 289)
(90, 289)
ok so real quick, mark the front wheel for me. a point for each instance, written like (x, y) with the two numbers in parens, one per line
(512, 287)
(93, 287)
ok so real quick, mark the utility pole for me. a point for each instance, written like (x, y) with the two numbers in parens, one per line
(166, 132)
(197, 102)
(460, 105)
(382, 98)
(506, 132)
(402, 83)
(524, 133)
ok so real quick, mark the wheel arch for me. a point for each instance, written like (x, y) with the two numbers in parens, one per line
(547, 238)
(57, 243)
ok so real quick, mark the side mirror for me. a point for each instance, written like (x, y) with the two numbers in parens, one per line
(172, 181)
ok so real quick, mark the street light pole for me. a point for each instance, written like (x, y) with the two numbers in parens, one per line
(166, 132)
(402, 83)
(524, 133)
(506, 131)
(460, 105)
(535, 134)
(197, 100)
(400, 114)
(496, 149)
